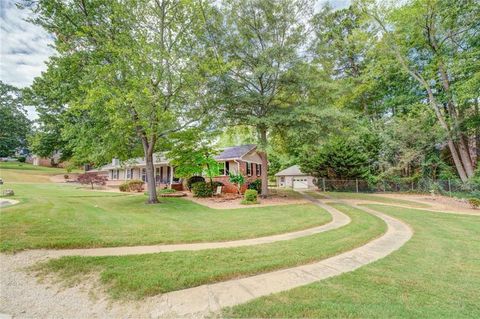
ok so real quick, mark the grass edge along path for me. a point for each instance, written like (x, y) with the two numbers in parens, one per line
(165, 272)
(436, 274)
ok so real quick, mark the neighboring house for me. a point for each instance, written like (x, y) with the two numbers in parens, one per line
(243, 159)
(293, 177)
(53, 161)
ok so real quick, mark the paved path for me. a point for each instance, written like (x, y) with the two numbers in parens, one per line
(44, 301)
(201, 300)
(339, 219)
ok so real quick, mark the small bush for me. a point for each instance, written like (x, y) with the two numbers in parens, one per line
(474, 202)
(66, 176)
(167, 191)
(134, 185)
(256, 185)
(250, 196)
(21, 159)
(215, 184)
(202, 189)
(194, 179)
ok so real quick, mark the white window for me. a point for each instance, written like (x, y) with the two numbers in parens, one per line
(258, 169)
(144, 174)
(115, 173)
(224, 168)
(129, 173)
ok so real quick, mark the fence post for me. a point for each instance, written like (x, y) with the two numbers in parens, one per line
(356, 184)
(323, 184)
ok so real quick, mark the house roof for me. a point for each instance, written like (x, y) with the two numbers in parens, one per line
(227, 153)
(235, 152)
(291, 171)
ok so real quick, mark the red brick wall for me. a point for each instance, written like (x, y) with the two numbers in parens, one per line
(231, 188)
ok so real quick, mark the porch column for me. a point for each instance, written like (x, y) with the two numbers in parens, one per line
(171, 176)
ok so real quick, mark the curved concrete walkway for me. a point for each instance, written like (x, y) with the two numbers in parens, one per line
(43, 301)
(339, 219)
(199, 301)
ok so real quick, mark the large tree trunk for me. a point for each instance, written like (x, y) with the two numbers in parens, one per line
(262, 136)
(150, 170)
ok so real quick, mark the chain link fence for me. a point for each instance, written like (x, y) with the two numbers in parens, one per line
(445, 187)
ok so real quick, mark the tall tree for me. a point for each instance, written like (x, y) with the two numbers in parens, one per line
(14, 123)
(436, 43)
(261, 45)
(144, 68)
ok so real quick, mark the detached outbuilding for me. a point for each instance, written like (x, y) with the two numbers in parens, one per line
(293, 177)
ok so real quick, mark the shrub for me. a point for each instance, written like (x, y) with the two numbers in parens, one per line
(202, 189)
(250, 196)
(21, 159)
(123, 187)
(256, 185)
(66, 176)
(134, 185)
(474, 202)
(194, 179)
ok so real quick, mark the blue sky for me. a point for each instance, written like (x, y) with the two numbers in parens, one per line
(24, 47)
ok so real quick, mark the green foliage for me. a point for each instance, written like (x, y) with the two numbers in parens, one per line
(133, 185)
(256, 185)
(250, 196)
(14, 124)
(194, 179)
(21, 159)
(193, 154)
(339, 158)
(474, 202)
(237, 179)
(202, 189)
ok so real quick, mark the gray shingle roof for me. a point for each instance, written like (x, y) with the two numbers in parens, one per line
(291, 171)
(234, 152)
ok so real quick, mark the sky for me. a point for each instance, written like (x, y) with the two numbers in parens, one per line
(25, 47)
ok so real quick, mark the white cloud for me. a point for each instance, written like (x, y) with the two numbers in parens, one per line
(24, 46)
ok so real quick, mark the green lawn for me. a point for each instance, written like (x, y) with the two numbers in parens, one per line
(434, 275)
(150, 274)
(369, 197)
(15, 172)
(63, 216)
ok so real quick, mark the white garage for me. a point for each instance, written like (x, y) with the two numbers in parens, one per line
(293, 177)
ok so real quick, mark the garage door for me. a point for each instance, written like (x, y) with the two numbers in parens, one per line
(300, 182)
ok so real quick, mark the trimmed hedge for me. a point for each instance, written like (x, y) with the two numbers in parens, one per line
(202, 189)
(134, 185)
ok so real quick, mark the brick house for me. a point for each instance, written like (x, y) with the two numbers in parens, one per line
(242, 158)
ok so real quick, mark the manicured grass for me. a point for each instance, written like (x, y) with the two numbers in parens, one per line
(434, 275)
(369, 197)
(15, 172)
(142, 275)
(63, 216)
